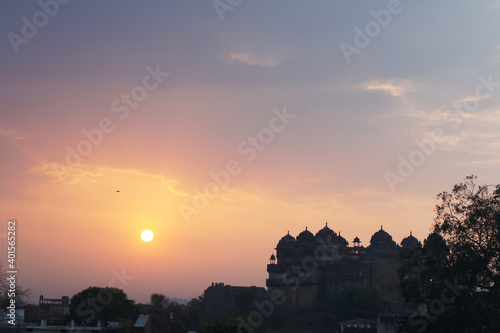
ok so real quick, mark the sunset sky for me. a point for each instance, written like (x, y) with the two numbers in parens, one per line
(353, 112)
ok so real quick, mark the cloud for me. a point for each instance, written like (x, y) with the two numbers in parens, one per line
(485, 163)
(396, 87)
(485, 118)
(470, 98)
(252, 59)
(83, 173)
(67, 175)
(11, 134)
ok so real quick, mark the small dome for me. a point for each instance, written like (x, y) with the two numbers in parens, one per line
(382, 245)
(326, 233)
(305, 237)
(272, 257)
(410, 242)
(286, 240)
(341, 240)
(356, 240)
(381, 237)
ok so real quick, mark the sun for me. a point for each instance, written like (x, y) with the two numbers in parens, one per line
(147, 235)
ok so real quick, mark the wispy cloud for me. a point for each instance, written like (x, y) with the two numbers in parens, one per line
(252, 59)
(485, 118)
(67, 175)
(396, 87)
(83, 173)
(11, 134)
(485, 163)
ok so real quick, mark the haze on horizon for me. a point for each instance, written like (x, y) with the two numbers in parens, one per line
(115, 115)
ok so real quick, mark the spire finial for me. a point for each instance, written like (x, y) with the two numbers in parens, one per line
(306, 228)
(381, 227)
(411, 233)
(288, 232)
(326, 223)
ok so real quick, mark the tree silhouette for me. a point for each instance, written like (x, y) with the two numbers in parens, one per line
(468, 218)
(159, 316)
(223, 324)
(104, 304)
(456, 273)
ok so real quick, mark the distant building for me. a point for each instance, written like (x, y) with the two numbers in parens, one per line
(51, 309)
(310, 267)
(220, 299)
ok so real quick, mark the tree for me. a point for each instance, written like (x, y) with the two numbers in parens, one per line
(104, 304)
(159, 316)
(425, 274)
(194, 311)
(421, 271)
(456, 273)
(159, 300)
(177, 316)
(223, 324)
(468, 218)
(168, 315)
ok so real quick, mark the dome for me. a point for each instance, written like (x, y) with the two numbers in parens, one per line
(273, 257)
(326, 234)
(410, 242)
(305, 237)
(286, 240)
(381, 237)
(382, 245)
(341, 240)
(356, 240)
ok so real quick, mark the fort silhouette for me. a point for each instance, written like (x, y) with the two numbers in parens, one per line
(309, 268)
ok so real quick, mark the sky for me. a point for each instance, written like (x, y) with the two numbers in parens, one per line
(222, 125)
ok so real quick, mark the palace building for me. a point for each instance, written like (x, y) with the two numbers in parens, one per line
(308, 268)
